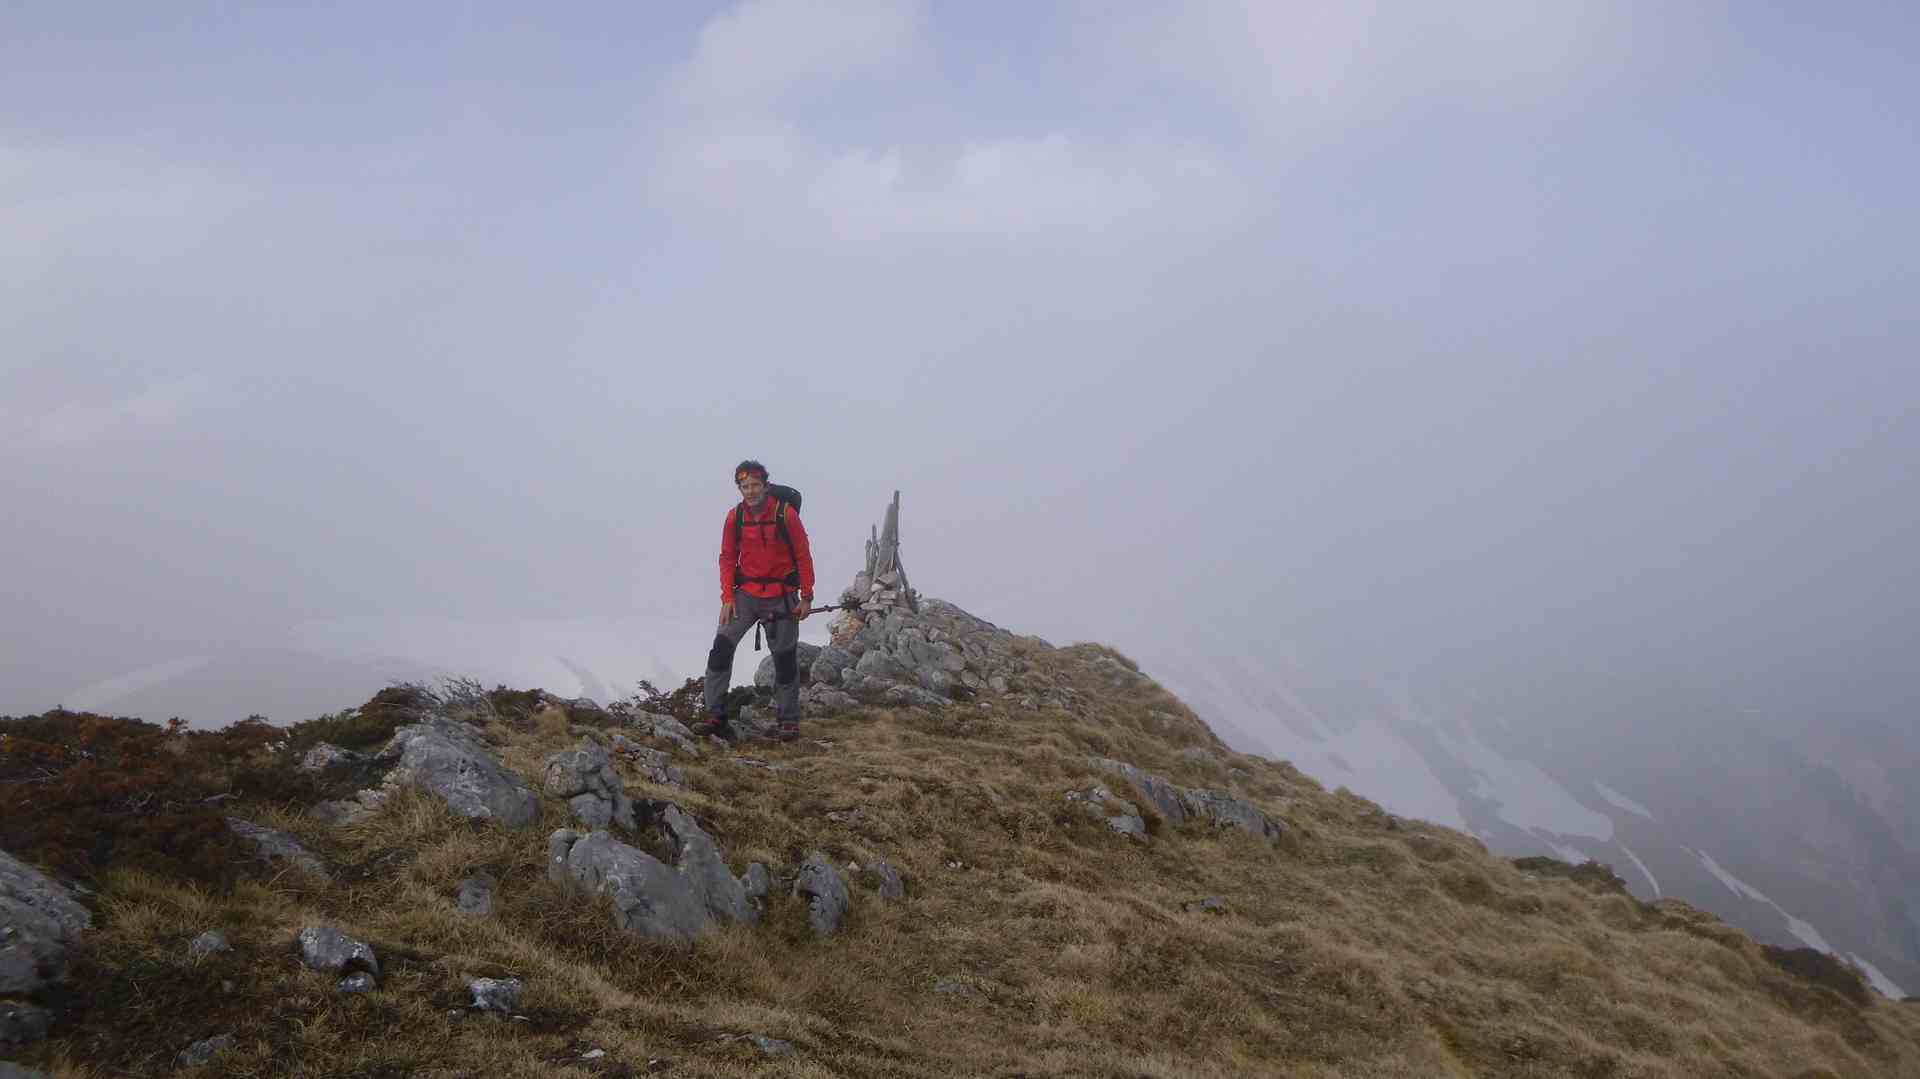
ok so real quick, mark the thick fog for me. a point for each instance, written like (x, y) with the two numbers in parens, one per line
(1552, 357)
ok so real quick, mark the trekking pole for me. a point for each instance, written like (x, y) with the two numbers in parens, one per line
(810, 614)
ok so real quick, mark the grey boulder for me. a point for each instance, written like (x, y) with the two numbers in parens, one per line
(804, 659)
(653, 765)
(1227, 811)
(446, 759)
(41, 920)
(1165, 796)
(501, 995)
(202, 1051)
(476, 896)
(211, 942)
(327, 949)
(21, 1023)
(887, 880)
(584, 776)
(826, 894)
(649, 896)
(274, 847)
(327, 755)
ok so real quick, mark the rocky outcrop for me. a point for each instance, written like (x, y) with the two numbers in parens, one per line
(204, 1050)
(476, 896)
(584, 776)
(653, 765)
(1178, 805)
(805, 654)
(649, 896)
(1117, 813)
(327, 755)
(327, 949)
(276, 848)
(38, 920)
(819, 883)
(446, 759)
(21, 1023)
(500, 995)
(666, 729)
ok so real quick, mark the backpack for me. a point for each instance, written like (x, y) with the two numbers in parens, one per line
(783, 496)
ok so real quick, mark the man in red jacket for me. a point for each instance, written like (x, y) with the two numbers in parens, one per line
(766, 576)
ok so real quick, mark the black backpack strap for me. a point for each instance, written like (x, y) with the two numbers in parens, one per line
(793, 555)
(780, 529)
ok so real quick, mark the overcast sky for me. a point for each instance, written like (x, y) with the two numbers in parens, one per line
(1479, 341)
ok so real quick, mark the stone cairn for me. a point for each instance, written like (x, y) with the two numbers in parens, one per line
(882, 586)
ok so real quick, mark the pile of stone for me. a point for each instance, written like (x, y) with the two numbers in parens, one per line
(893, 647)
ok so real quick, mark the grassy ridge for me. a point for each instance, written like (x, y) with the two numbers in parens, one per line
(1034, 940)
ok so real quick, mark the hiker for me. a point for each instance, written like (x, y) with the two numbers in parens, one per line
(766, 578)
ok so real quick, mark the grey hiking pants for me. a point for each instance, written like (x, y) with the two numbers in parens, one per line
(784, 641)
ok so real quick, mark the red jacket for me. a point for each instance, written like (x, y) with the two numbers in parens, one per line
(761, 552)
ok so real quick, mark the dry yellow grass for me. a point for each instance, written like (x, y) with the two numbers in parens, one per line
(1033, 940)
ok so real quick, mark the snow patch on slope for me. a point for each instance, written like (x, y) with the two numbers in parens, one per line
(1522, 794)
(1367, 757)
(1648, 873)
(1734, 884)
(1879, 981)
(1621, 801)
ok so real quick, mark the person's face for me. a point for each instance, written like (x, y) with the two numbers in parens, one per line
(753, 489)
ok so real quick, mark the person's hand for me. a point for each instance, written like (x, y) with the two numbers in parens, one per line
(801, 612)
(726, 611)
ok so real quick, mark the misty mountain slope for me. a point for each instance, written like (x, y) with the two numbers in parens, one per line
(1802, 837)
(1034, 935)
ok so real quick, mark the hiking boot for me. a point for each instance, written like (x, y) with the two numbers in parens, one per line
(717, 726)
(789, 731)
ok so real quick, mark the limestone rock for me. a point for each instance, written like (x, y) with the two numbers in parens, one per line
(22, 1023)
(276, 847)
(500, 995)
(327, 949)
(1117, 813)
(1165, 796)
(1179, 805)
(327, 755)
(772, 1047)
(446, 758)
(705, 870)
(887, 880)
(826, 894)
(758, 883)
(584, 776)
(1227, 810)
(42, 919)
(805, 657)
(667, 729)
(340, 812)
(649, 896)
(476, 896)
(211, 942)
(202, 1051)
(653, 765)
(358, 982)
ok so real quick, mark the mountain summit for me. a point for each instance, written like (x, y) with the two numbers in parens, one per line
(987, 855)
